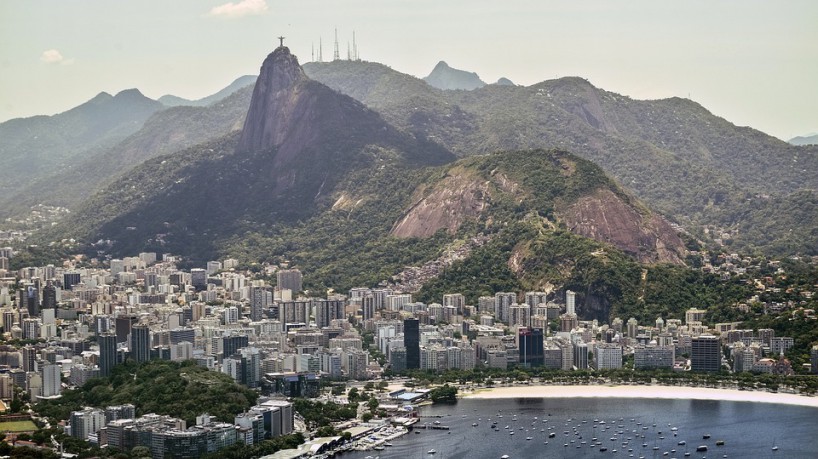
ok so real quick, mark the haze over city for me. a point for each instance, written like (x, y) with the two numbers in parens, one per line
(753, 63)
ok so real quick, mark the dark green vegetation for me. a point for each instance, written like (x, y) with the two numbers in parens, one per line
(443, 394)
(657, 149)
(182, 390)
(322, 414)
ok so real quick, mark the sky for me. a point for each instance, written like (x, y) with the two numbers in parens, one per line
(752, 62)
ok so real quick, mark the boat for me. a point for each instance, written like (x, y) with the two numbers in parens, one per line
(528, 438)
(379, 448)
(387, 444)
(504, 456)
(603, 449)
(706, 436)
(431, 451)
(719, 442)
(474, 424)
(701, 448)
(682, 443)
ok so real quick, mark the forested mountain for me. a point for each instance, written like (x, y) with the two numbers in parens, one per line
(31, 148)
(693, 166)
(167, 131)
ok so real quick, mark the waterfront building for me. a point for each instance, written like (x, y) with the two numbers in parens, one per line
(652, 356)
(705, 353)
(608, 356)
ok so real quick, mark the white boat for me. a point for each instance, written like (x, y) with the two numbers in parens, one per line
(504, 456)
(432, 451)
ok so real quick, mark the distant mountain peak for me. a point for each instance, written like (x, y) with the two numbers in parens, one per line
(445, 77)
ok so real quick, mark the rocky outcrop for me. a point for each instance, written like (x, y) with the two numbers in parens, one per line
(271, 107)
(606, 217)
(450, 202)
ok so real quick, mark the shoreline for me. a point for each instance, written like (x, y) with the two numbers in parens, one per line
(642, 392)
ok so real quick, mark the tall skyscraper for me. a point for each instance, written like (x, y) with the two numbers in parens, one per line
(49, 296)
(503, 301)
(530, 345)
(705, 353)
(198, 278)
(141, 343)
(411, 340)
(261, 298)
(29, 300)
(107, 353)
(123, 326)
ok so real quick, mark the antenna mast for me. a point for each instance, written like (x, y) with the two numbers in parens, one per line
(335, 55)
(320, 50)
(354, 48)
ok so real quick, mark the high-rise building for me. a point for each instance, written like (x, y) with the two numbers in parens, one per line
(411, 340)
(289, 279)
(705, 353)
(123, 326)
(49, 296)
(86, 422)
(813, 358)
(455, 299)
(70, 279)
(327, 311)
(261, 298)
(198, 278)
(519, 315)
(107, 353)
(608, 356)
(52, 384)
(503, 301)
(570, 302)
(633, 328)
(140, 343)
(530, 345)
(29, 300)
(232, 343)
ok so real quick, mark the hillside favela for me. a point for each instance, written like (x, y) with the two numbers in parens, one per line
(331, 257)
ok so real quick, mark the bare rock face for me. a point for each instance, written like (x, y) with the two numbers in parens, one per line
(604, 216)
(452, 200)
(267, 120)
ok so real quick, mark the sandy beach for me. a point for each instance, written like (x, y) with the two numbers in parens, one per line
(655, 392)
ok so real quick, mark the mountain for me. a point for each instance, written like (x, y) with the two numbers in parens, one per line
(169, 100)
(809, 139)
(654, 148)
(299, 139)
(445, 77)
(166, 131)
(504, 82)
(31, 148)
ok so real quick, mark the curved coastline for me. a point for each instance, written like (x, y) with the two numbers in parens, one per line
(645, 392)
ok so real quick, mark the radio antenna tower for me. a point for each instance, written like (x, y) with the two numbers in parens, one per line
(312, 52)
(335, 55)
(349, 52)
(354, 48)
(320, 50)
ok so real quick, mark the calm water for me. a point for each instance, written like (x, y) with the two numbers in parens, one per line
(749, 430)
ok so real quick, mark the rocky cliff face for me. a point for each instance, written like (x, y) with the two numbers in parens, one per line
(456, 198)
(604, 216)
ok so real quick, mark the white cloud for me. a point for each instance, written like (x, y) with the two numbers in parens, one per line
(52, 56)
(242, 8)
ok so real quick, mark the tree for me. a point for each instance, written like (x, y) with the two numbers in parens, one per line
(367, 416)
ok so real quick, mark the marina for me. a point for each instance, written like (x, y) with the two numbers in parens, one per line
(626, 428)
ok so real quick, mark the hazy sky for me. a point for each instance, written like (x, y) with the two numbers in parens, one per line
(754, 63)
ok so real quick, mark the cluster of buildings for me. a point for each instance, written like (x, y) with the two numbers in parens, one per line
(79, 321)
(165, 436)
